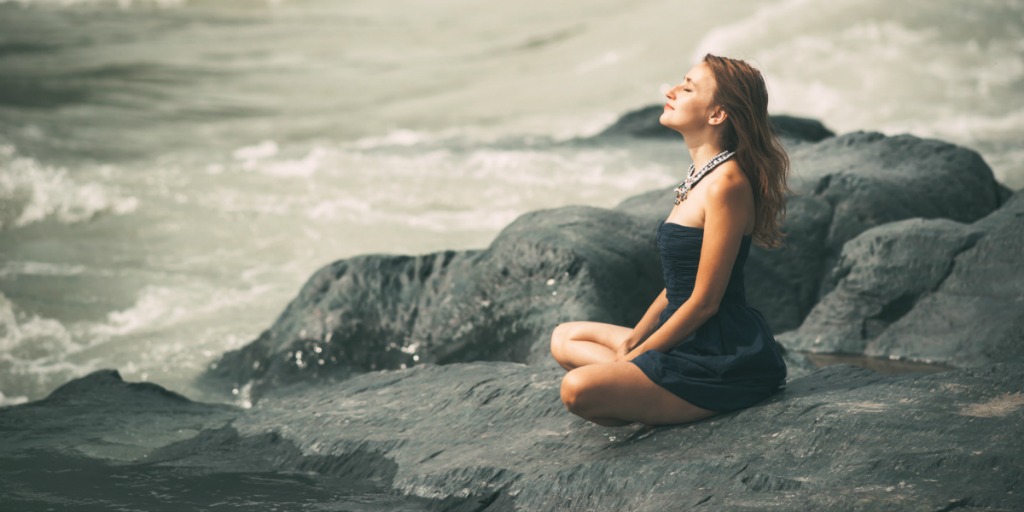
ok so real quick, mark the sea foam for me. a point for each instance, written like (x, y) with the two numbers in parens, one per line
(32, 192)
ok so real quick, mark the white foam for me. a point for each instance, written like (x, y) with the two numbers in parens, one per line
(478, 190)
(12, 400)
(31, 192)
(29, 333)
(338, 208)
(250, 155)
(394, 138)
(300, 167)
(159, 307)
(33, 353)
(38, 268)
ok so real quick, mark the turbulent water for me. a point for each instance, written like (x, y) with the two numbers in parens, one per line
(171, 172)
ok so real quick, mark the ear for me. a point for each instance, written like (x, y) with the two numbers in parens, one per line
(718, 116)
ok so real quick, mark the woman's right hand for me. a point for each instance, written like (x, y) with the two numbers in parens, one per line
(626, 347)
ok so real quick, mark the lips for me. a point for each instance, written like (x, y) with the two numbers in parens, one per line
(669, 106)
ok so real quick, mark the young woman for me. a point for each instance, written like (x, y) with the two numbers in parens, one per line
(700, 349)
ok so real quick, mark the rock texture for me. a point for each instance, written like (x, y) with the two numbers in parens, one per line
(494, 436)
(881, 274)
(378, 311)
(936, 291)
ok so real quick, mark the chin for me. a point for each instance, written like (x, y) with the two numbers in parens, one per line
(667, 124)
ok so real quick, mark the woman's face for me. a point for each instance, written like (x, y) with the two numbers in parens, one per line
(689, 105)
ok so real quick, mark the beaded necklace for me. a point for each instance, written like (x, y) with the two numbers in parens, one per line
(692, 179)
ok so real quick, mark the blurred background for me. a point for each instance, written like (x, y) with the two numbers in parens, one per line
(172, 171)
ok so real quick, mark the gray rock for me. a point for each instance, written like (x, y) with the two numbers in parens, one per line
(881, 274)
(976, 316)
(926, 290)
(376, 312)
(870, 179)
(494, 436)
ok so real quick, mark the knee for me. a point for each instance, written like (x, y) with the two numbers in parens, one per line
(558, 335)
(574, 386)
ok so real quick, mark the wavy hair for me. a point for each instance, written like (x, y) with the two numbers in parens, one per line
(740, 91)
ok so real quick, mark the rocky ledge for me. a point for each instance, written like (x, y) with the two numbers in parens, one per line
(493, 436)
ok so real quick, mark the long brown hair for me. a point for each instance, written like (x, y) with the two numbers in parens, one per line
(741, 92)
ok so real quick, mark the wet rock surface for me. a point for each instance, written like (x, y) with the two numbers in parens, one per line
(494, 436)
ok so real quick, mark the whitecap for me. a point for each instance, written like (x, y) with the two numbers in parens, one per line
(11, 400)
(33, 353)
(39, 268)
(32, 192)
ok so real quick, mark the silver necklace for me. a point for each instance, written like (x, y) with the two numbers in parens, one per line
(692, 178)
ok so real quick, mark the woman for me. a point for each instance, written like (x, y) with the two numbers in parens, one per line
(700, 349)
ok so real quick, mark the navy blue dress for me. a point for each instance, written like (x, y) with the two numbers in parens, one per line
(730, 362)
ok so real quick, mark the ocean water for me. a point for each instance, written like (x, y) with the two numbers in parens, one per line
(172, 171)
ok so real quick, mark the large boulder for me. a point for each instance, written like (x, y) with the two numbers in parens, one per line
(378, 312)
(841, 187)
(935, 291)
(494, 436)
(880, 275)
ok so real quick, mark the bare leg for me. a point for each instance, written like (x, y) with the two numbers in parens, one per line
(576, 344)
(616, 394)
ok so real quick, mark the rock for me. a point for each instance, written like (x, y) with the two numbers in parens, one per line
(933, 291)
(792, 129)
(494, 436)
(843, 186)
(101, 414)
(377, 312)
(644, 123)
(976, 316)
(881, 274)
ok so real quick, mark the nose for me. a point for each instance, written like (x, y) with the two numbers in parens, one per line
(670, 92)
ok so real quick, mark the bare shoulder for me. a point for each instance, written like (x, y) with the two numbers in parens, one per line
(729, 184)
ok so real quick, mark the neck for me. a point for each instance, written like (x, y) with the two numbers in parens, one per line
(703, 147)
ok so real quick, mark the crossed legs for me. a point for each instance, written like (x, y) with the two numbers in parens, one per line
(608, 392)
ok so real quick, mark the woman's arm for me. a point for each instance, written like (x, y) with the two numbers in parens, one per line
(730, 201)
(646, 325)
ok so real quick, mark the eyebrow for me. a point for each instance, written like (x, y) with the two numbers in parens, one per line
(687, 79)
